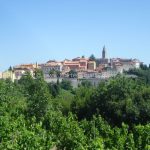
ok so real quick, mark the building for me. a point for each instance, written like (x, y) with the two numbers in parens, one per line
(70, 65)
(109, 73)
(88, 74)
(77, 64)
(103, 59)
(124, 64)
(8, 75)
(83, 62)
(51, 65)
(20, 70)
(91, 65)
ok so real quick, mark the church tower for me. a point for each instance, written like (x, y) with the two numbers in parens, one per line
(104, 53)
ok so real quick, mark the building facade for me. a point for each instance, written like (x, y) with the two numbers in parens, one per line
(20, 70)
(51, 66)
(91, 65)
(8, 75)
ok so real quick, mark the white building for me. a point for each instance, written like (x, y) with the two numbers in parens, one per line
(20, 72)
(109, 73)
(51, 65)
(88, 74)
(124, 64)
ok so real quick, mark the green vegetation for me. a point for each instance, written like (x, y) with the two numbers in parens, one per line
(92, 57)
(143, 73)
(113, 116)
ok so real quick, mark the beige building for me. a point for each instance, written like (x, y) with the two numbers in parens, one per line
(51, 65)
(20, 70)
(108, 73)
(91, 65)
(124, 64)
(18, 73)
(88, 74)
(70, 65)
(8, 75)
(83, 62)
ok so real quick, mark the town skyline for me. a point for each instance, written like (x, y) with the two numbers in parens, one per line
(77, 68)
(59, 60)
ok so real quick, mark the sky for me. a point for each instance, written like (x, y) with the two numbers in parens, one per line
(39, 30)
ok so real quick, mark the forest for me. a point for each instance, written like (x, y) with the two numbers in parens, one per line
(115, 115)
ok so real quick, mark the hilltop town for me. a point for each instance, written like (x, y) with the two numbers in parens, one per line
(77, 68)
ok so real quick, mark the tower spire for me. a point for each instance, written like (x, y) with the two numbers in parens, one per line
(104, 52)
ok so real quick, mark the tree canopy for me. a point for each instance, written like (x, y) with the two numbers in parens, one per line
(38, 115)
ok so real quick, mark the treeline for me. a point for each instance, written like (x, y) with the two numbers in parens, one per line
(39, 115)
(143, 73)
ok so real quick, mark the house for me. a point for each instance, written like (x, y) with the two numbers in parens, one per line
(20, 70)
(70, 65)
(51, 65)
(88, 74)
(91, 65)
(108, 73)
(124, 64)
(78, 64)
(8, 75)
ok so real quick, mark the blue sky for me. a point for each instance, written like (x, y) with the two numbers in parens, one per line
(38, 30)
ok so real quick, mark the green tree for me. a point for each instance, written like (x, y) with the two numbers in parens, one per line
(38, 74)
(66, 85)
(73, 74)
(54, 89)
(39, 99)
(52, 73)
(26, 82)
(92, 57)
(85, 83)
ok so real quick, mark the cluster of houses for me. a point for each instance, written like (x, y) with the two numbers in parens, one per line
(80, 68)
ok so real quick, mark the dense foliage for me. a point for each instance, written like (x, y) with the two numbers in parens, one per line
(117, 100)
(36, 115)
(143, 73)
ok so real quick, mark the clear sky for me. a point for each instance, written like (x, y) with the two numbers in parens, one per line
(39, 30)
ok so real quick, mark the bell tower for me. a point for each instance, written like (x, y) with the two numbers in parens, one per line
(104, 53)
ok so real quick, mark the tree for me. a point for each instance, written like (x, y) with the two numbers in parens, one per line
(38, 74)
(66, 85)
(143, 66)
(39, 99)
(92, 57)
(58, 73)
(118, 100)
(54, 88)
(10, 68)
(73, 74)
(26, 82)
(52, 73)
(143, 74)
(94, 123)
(85, 83)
